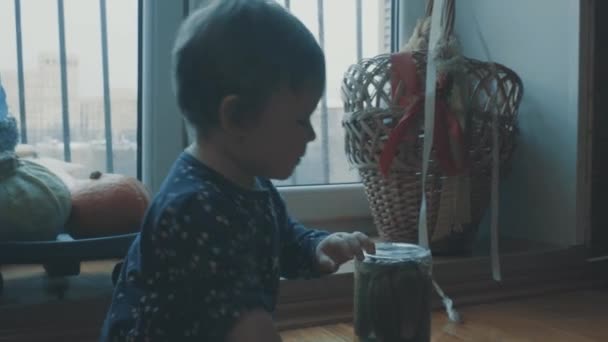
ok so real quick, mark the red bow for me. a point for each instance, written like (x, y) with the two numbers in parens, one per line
(447, 130)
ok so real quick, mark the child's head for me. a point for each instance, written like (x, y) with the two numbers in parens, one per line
(233, 59)
(247, 48)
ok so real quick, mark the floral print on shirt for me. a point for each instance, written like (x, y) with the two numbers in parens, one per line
(207, 252)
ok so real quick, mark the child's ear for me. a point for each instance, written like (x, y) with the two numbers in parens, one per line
(231, 116)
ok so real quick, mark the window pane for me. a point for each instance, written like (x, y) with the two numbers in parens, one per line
(88, 108)
(325, 161)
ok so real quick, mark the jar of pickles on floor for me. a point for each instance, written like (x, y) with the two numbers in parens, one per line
(393, 294)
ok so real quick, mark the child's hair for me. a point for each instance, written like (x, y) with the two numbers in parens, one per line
(248, 48)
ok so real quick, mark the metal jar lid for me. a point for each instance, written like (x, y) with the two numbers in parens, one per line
(396, 252)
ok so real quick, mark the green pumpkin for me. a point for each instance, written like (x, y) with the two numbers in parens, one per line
(34, 202)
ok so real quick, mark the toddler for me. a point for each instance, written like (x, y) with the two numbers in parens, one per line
(217, 237)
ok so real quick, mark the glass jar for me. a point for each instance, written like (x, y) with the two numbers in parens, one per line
(393, 294)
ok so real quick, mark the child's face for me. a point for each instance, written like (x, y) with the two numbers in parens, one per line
(275, 143)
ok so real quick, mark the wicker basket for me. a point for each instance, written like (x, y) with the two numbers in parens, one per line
(395, 198)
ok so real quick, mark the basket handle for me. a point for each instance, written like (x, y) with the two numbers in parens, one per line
(447, 17)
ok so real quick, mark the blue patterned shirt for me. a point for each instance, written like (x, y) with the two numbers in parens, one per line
(208, 251)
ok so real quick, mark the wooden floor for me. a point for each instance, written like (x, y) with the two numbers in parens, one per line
(569, 317)
(28, 314)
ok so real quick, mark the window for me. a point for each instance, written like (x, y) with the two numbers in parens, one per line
(72, 83)
(347, 31)
(73, 86)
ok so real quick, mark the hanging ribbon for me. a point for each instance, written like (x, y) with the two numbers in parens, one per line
(429, 124)
(442, 129)
(405, 67)
(494, 200)
(408, 93)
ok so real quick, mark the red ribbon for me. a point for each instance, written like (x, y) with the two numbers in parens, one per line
(447, 131)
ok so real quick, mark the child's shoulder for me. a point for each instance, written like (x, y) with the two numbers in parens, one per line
(190, 209)
(191, 185)
(187, 182)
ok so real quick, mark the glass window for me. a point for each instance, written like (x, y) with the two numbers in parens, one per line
(73, 84)
(347, 30)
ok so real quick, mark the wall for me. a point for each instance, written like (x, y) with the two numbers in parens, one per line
(538, 40)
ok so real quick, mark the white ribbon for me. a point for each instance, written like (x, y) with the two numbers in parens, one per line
(494, 200)
(429, 124)
(429, 116)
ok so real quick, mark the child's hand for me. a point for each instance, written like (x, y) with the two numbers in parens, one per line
(339, 248)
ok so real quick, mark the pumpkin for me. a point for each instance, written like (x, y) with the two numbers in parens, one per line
(34, 202)
(107, 204)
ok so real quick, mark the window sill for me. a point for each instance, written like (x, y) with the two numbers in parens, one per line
(338, 202)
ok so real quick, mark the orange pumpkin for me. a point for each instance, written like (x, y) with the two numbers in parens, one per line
(107, 204)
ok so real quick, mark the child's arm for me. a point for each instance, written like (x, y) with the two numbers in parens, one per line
(254, 326)
(309, 253)
(298, 250)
